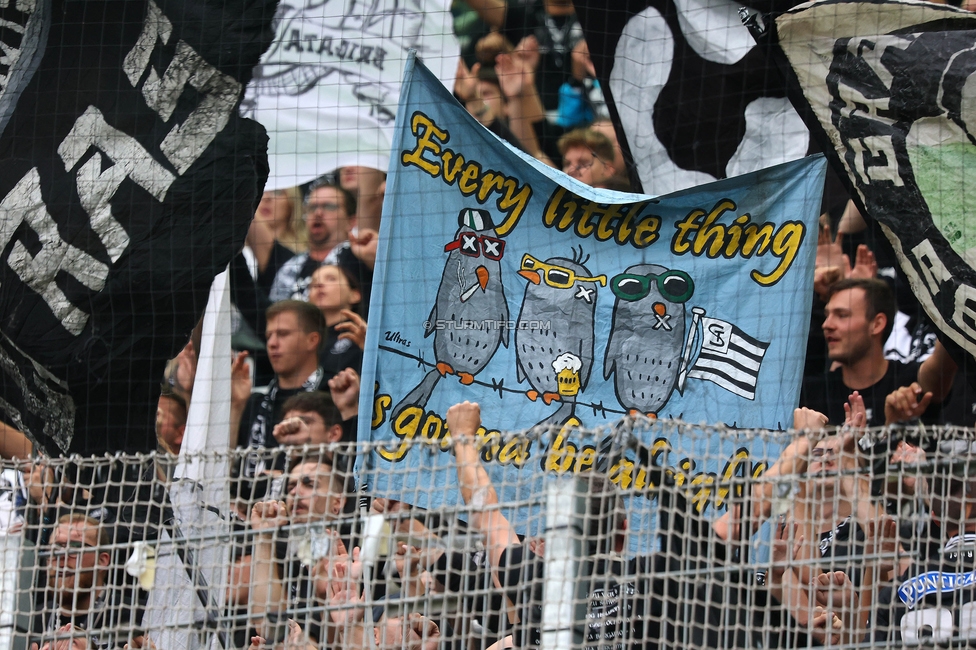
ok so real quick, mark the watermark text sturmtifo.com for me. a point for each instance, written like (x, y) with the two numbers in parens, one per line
(487, 324)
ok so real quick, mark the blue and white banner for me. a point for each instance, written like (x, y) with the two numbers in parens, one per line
(505, 282)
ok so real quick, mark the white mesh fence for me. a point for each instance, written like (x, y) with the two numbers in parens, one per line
(831, 538)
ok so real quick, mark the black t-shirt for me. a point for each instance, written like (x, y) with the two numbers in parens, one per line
(468, 576)
(932, 603)
(619, 596)
(828, 393)
(338, 354)
(959, 407)
(557, 36)
(842, 553)
(252, 436)
(261, 414)
(732, 609)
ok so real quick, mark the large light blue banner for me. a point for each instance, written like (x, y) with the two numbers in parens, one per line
(502, 281)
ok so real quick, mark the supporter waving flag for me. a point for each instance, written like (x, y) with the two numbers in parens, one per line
(127, 182)
(888, 88)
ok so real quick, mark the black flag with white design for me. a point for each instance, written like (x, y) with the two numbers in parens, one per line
(687, 86)
(127, 182)
(889, 89)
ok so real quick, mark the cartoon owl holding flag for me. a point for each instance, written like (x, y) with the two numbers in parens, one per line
(648, 352)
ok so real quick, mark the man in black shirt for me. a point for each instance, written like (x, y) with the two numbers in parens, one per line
(294, 335)
(859, 317)
(330, 215)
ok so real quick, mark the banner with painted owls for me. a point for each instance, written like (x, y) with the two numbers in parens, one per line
(505, 282)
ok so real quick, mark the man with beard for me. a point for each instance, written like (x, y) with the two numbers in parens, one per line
(78, 602)
(329, 217)
(280, 585)
(859, 317)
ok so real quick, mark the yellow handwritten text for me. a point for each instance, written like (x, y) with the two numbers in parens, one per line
(705, 488)
(414, 425)
(562, 456)
(699, 234)
(381, 404)
(430, 155)
(624, 223)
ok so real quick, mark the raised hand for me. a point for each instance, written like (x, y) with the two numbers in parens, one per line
(463, 421)
(865, 266)
(267, 516)
(344, 388)
(363, 244)
(855, 414)
(240, 379)
(906, 403)
(292, 431)
(353, 328)
(805, 419)
(783, 551)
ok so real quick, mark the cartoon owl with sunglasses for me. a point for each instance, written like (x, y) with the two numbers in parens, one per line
(647, 336)
(554, 337)
(470, 316)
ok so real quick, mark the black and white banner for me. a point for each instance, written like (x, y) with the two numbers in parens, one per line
(890, 90)
(327, 90)
(127, 181)
(691, 91)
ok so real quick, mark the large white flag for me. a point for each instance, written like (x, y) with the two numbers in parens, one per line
(328, 88)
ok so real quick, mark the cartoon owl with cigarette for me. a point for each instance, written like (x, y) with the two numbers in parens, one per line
(647, 336)
(470, 315)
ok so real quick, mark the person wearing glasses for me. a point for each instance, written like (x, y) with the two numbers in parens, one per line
(78, 610)
(587, 156)
(329, 219)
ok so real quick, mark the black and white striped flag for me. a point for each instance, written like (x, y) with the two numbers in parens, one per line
(729, 357)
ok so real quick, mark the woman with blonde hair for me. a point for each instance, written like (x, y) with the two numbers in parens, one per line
(283, 210)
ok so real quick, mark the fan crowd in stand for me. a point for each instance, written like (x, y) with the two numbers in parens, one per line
(869, 539)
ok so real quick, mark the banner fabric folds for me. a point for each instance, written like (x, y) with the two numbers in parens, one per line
(508, 283)
(888, 88)
(127, 183)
